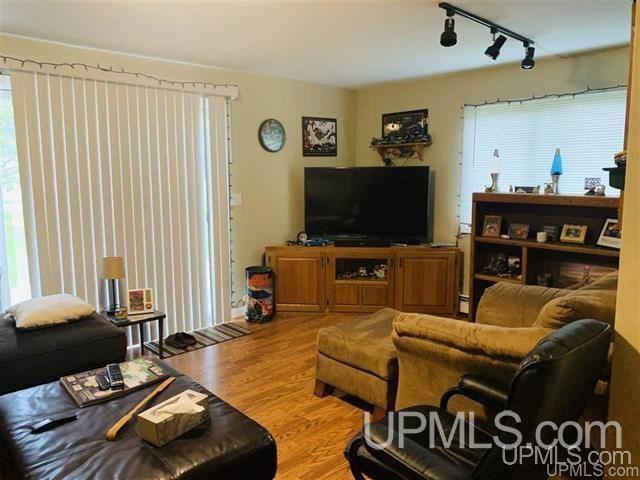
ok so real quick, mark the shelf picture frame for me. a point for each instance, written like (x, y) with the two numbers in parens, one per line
(519, 231)
(610, 235)
(492, 226)
(574, 233)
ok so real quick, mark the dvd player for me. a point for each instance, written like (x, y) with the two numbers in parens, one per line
(361, 242)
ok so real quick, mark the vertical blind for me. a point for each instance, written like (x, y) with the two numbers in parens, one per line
(113, 169)
(588, 129)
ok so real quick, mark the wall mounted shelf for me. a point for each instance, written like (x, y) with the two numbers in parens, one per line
(400, 150)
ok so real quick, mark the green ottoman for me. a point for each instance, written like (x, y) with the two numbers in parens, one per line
(358, 357)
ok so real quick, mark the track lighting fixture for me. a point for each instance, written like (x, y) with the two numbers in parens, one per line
(450, 38)
(493, 51)
(528, 62)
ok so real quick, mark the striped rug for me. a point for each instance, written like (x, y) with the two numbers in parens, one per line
(205, 337)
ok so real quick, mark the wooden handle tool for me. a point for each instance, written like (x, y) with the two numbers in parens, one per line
(113, 431)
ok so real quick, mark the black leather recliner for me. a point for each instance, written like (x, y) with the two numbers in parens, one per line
(554, 383)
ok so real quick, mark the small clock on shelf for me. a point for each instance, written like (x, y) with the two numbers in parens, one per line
(302, 237)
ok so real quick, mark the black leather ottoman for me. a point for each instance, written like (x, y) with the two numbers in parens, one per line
(230, 446)
(32, 357)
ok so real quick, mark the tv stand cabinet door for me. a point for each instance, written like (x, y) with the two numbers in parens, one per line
(300, 279)
(426, 282)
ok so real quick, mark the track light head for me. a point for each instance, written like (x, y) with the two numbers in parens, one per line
(528, 61)
(449, 37)
(494, 50)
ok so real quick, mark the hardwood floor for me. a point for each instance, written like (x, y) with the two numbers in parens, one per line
(269, 375)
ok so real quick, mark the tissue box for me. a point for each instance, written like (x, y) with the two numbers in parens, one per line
(173, 417)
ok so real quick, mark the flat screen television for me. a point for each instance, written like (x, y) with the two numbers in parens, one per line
(381, 202)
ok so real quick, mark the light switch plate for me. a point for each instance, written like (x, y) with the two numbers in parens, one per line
(236, 199)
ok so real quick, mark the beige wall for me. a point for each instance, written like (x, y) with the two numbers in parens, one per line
(625, 381)
(445, 95)
(270, 183)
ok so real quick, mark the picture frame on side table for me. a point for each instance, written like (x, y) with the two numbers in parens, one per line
(573, 233)
(140, 301)
(519, 231)
(319, 137)
(492, 226)
(610, 236)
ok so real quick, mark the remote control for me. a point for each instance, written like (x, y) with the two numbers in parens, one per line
(115, 376)
(103, 382)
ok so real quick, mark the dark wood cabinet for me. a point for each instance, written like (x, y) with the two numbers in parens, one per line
(318, 279)
(537, 259)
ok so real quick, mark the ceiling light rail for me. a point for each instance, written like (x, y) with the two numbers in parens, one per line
(449, 37)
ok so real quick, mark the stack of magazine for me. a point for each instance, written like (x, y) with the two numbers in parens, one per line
(139, 373)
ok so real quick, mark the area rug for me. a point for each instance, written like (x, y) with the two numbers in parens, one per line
(205, 337)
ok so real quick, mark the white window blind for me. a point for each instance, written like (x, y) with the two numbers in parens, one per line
(114, 169)
(587, 128)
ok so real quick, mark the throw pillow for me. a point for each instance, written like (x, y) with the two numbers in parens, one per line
(49, 310)
(596, 304)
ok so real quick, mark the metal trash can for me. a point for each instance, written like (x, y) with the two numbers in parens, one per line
(259, 294)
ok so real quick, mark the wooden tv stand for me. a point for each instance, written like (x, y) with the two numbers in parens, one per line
(313, 279)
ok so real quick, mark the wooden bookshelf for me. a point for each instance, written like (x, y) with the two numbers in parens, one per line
(555, 246)
(535, 257)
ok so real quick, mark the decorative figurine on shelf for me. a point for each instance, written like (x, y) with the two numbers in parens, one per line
(362, 272)
(556, 171)
(549, 188)
(495, 173)
(380, 271)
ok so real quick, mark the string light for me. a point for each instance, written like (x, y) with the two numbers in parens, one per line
(550, 95)
(109, 69)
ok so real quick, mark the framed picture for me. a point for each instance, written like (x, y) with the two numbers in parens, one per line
(412, 122)
(519, 231)
(492, 226)
(140, 301)
(319, 137)
(552, 232)
(573, 233)
(610, 236)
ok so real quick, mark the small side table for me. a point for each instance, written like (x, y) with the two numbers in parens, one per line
(140, 320)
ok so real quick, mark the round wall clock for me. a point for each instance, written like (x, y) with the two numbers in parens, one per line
(271, 135)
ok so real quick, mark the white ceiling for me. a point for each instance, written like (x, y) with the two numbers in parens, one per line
(342, 43)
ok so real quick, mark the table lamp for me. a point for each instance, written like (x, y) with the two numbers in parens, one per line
(113, 270)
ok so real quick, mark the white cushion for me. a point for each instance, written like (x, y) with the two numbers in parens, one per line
(50, 310)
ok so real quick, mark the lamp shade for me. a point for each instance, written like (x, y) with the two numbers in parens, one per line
(112, 268)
